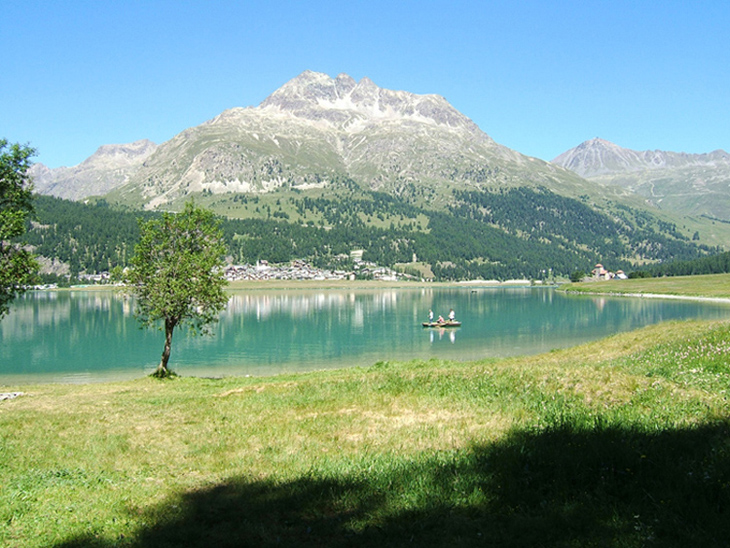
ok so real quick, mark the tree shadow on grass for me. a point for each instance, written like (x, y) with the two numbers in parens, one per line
(565, 486)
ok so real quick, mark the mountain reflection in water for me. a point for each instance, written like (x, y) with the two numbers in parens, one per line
(83, 336)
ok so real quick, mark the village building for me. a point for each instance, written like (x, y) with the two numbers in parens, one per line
(301, 270)
(601, 273)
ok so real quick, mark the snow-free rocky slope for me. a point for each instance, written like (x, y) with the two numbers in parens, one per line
(108, 168)
(690, 184)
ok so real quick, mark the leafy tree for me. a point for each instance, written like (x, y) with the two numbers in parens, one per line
(177, 274)
(17, 266)
(116, 274)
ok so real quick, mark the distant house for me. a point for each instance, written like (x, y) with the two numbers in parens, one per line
(600, 273)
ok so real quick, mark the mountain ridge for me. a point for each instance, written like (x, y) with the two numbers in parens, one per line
(109, 167)
(342, 101)
(597, 157)
(315, 128)
(324, 164)
(305, 135)
(690, 184)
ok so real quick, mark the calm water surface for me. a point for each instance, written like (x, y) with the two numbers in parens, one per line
(85, 336)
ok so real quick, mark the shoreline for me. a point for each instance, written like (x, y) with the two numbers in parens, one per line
(650, 296)
(330, 284)
(373, 284)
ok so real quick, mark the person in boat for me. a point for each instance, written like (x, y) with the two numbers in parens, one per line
(430, 316)
(441, 319)
(452, 315)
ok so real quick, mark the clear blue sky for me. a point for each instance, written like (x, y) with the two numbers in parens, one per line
(537, 76)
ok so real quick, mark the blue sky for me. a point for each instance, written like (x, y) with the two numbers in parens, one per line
(538, 76)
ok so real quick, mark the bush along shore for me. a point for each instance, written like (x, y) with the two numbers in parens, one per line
(621, 442)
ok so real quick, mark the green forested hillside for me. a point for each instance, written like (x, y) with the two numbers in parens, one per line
(566, 223)
(713, 264)
(496, 235)
(90, 238)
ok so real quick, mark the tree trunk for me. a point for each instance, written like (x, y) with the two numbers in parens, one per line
(162, 370)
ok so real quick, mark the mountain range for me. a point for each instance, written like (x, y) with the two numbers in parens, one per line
(309, 132)
(109, 167)
(330, 153)
(316, 128)
(690, 184)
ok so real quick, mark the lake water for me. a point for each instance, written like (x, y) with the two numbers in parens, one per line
(89, 336)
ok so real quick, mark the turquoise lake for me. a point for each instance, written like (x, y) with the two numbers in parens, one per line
(90, 336)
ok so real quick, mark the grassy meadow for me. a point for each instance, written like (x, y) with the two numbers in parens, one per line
(707, 286)
(620, 442)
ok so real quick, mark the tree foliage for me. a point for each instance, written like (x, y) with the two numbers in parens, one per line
(17, 266)
(177, 273)
(713, 264)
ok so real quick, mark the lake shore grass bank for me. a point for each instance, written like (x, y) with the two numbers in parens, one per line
(620, 442)
(708, 286)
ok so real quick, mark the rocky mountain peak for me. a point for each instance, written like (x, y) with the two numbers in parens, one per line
(345, 82)
(595, 157)
(342, 100)
(692, 184)
(109, 167)
(307, 88)
(598, 144)
(137, 148)
(598, 157)
(116, 156)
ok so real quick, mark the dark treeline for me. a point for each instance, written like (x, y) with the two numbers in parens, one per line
(713, 264)
(538, 214)
(89, 238)
(525, 233)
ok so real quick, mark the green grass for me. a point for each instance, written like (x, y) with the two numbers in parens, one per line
(621, 442)
(709, 286)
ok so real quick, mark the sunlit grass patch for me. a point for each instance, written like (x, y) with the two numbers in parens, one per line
(708, 285)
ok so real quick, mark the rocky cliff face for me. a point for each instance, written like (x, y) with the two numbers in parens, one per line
(691, 184)
(108, 168)
(350, 105)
